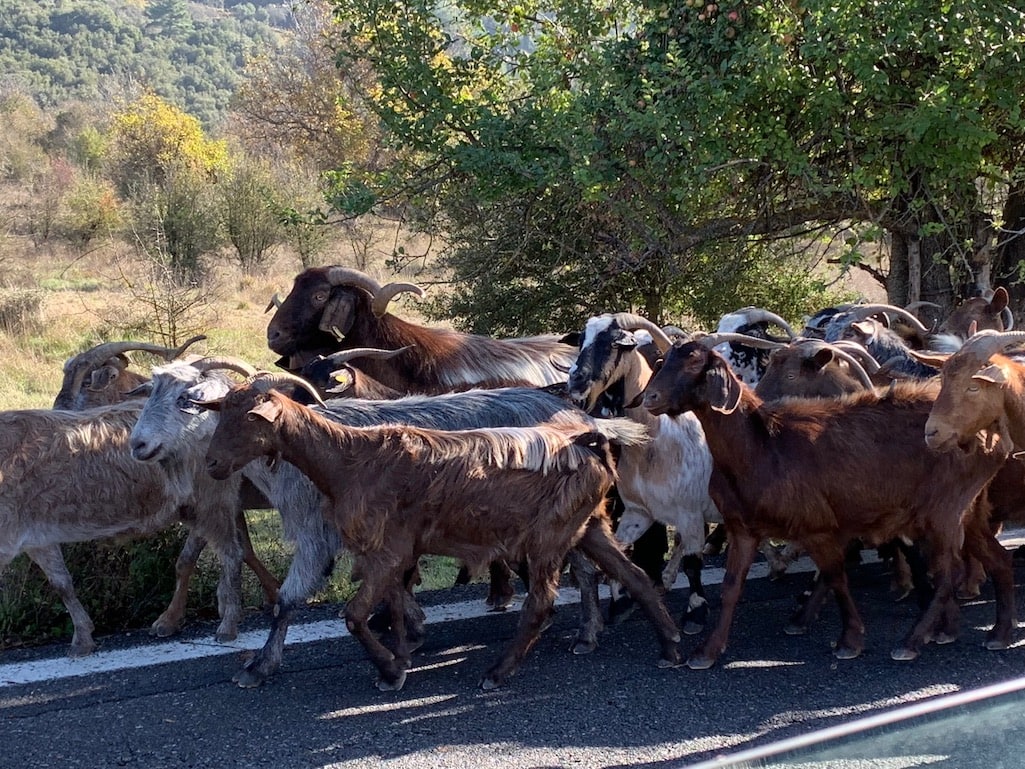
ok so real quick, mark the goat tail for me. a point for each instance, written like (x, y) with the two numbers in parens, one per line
(621, 431)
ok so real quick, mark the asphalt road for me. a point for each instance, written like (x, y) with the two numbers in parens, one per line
(613, 708)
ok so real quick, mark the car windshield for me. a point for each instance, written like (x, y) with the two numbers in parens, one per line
(979, 729)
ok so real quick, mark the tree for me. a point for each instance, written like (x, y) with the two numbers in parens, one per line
(292, 95)
(162, 162)
(663, 138)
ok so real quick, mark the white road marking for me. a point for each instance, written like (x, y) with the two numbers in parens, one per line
(164, 652)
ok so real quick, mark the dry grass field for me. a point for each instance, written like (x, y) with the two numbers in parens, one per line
(56, 301)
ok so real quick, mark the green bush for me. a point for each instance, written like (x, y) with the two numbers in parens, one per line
(122, 586)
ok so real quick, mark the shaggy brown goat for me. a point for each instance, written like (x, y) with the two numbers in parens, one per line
(336, 308)
(824, 471)
(395, 493)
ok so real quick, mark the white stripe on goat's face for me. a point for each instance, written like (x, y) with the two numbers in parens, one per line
(595, 368)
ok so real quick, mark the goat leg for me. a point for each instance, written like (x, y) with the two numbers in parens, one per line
(544, 581)
(599, 544)
(591, 622)
(391, 669)
(941, 613)
(696, 615)
(829, 557)
(739, 557)
(51, 561)
(170, 621)
(311, 565)
(268, 582)
(982, 545)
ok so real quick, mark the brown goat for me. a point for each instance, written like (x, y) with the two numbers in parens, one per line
(395, 493)
(336, 308)
(824, 471)
(982, 397)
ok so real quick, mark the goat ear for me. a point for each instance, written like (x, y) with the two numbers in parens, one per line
(821, 359)
(213, 405)
(146, 388)
(339, 314)
(722, 387)
(269, 409)
(344, 378)
(993, 374)
(931, 359)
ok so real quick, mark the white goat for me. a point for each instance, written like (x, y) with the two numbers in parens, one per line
(665, 480)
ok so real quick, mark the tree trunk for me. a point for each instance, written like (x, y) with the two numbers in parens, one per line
(1009, 262)
(919, 271)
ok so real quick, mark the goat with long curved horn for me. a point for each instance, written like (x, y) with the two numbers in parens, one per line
(628, 321)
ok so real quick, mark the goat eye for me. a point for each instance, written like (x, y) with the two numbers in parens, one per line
(658, 365)
(320, 297)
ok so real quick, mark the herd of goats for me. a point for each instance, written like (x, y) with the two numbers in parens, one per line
(394, 440)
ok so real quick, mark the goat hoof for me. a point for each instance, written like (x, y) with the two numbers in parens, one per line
(488, 684)
(392, 686)
(665, 663)
(81, 650)
(162, 630)
(247, 679)
(846, 653)
(996, 643)
(903, 654)
(700, 662)
(690, 627)
(227, 636)
(794, 628)
(967, 594)
(941, 639)
(581, 646)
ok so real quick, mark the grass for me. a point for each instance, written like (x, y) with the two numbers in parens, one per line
(60, 302)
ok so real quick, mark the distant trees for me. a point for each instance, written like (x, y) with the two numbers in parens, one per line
(86, 49)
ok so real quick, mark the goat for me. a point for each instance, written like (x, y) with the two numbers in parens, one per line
(823, 472)
(332, 308)
(69, 476)
(664, 481)
(169, 418)
(982, 396)
(990, 311)
(100, 376)
(748, 361)
(529, 494)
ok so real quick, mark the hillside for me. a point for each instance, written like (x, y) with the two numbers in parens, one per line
(191, 54)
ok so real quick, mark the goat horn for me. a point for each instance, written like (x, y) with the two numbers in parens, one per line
(1009, 321)
(275, 301)
(385, 294)
(814, 345)
(986, 343)
(107, 350)
(921, 303)
(264, 381)
(714, 340)
(757, 315)
(229, 364)
(186, 345)
(344, 276)
(344, 356)
(870, 364)
(628, 321)
(862, 311)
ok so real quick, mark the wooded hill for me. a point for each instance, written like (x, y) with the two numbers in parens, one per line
(191, 54)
